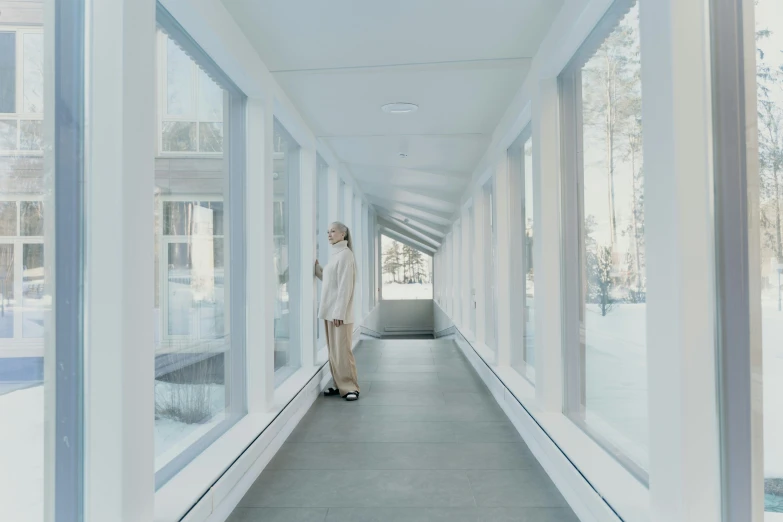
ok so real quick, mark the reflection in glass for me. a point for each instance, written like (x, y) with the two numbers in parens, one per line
(8, 218)
(34, 303)
(614, 293)
(530, 323)
(7, 72)
(8, 137)
(210, 137)
(7, 282)
(179, 136)
(769, 41)
(193, 347)
(407, 272)
(31, 135)
(179, 80)
(286, 322)
(33, 73)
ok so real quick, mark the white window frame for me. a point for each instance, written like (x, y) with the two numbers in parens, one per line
(19, 116)
(162, 104)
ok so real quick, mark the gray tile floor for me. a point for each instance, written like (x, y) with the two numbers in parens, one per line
(425, 442)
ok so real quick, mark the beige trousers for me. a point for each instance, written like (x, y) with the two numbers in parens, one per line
(341, 361)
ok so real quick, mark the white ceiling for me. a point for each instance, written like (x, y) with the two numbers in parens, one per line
(460, 61)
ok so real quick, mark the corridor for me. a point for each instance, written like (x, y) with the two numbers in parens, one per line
(426, 442)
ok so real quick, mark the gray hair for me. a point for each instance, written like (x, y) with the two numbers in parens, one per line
(345, 230)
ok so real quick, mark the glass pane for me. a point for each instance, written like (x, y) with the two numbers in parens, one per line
(210, 137)
(407, 273)
(33, 74)
(179, 80)
(8, 137)
(179, 217)
(210, 99)
(769, 41)
(285, 177)
(614, 326)
(32, 218)
(25, 297)
(490, 244)
(31, 135)
(193, 344)
(179, 136)
(530, 324)
(7, 72)
(8, 218)
(7, 300)
(34, 302)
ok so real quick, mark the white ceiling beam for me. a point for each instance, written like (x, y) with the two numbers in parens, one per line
(412, 232)
(435, 231)
(402, 238)
(409, 211)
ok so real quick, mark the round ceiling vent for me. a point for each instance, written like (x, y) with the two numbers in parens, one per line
(399, 108)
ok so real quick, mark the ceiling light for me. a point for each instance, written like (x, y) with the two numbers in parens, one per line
(399, 108)
(403, 155)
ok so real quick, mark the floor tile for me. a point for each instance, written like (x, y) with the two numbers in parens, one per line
(359, 488)
(278, 515)
(526, 515)
(514, 488)
(402, 515)
(407, 455)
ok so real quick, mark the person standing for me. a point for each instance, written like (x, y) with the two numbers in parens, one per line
(336, 310)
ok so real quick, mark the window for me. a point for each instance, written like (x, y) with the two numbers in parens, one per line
(321, 225)
(286, 261)
(520, 163)
(199, 345)
(21, 90)
(471, 267)
(490, 267)
(191, 104)
(407, 272)
(769, 42)
(604, 239)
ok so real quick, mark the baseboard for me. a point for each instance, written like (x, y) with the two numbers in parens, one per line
(451, 330)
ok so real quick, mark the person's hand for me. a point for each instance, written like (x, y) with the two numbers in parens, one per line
(338, 322)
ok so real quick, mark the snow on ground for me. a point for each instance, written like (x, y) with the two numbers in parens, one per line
(397, 291)
(171, 436)
(22, 455)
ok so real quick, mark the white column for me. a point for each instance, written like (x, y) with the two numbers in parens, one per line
(307, 202)
(684, 458)
(503, 269)
(546, 246)
(259, 255)
(119, 258)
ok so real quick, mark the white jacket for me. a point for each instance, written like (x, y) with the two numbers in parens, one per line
(339, 279)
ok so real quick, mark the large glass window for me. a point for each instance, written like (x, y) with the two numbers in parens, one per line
(769, 56)
(321, 225)
(490, 267)
(25, 296)
(471, 261)
(21, 89)
(520, 162)
(199, 345)
(604, 239)
(407, 272)
(191, 108)
(286, 262)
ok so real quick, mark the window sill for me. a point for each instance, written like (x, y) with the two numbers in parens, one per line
(184, 490)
